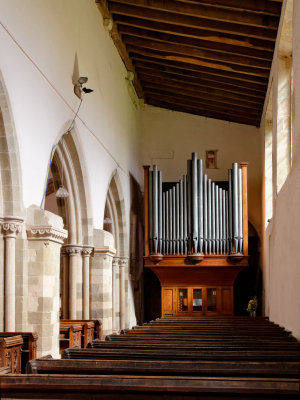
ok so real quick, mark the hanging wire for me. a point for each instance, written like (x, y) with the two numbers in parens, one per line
(53, 150)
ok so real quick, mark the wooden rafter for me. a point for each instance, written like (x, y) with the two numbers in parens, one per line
(205, 57)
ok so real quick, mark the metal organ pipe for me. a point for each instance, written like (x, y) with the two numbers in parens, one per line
(151, 211)
(181, 216)
(205, 213)
(217, 220)
(200, 205)
(159, 183)
(235, 213)
(194, 203)
(213, 218)
(209, 215)
(240, 197)
(196, 215)
(185, 214)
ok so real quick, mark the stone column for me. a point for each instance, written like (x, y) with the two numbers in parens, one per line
(86, 254)
(45, 236)
(101, 279)
(74, 253)
(11, 227)
(65, 283)
(115, 270)
(122, 265)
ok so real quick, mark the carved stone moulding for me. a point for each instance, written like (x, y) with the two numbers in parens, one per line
(11, 226)
(46, 233)
(72, 249)
(87, 251)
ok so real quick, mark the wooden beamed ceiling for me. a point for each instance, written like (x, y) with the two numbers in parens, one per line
(205, 57)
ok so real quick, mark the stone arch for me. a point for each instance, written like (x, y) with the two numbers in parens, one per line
(67, 164)
(11, 199)
(68, 167)
(115, 205)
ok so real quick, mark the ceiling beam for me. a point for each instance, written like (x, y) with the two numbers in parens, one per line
(199, 10)
(241, 69)
(201, 87)
(199, 43)
(103, 8)
(207, 35)
(192, 21)
(189, 51)
(180, 107)
(170, 98)
(203, 98)
(269, 7)
(204, 79)
(235, 76)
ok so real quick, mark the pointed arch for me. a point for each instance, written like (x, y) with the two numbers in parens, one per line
(68, 166)
(11, 199)
(115, 205)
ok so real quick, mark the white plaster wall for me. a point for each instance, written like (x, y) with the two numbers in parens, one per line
(281, 253)
(169, 138)
(39, 41)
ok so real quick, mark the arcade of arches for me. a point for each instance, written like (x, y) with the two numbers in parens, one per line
(81, 257)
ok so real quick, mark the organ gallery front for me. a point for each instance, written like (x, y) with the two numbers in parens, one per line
(196, 238)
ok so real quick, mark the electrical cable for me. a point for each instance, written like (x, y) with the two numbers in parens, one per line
(53, 149)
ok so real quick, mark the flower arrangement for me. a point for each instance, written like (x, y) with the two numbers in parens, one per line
(252, 306)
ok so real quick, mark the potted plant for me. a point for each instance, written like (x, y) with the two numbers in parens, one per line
(252, 306)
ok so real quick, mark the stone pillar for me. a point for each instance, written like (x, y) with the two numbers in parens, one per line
(122, 265)
(101, 279)
(86, 254)
(45, 236)
(115, 270)
(64, 259)
(11, 226)
(74, 253)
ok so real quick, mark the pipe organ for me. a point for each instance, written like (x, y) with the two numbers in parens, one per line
(196, 238)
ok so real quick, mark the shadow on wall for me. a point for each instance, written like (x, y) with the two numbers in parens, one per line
(249, 281)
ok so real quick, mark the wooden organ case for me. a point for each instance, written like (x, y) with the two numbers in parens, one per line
(196, 239)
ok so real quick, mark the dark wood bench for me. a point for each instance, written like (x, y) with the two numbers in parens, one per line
(180, 354)
(10, 353)
(179, 344)
(69, 335)
(91, 329)
(111, 387)
(28, 351)
(161, 367)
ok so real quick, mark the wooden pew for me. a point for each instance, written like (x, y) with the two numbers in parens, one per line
(181, 354)
(110, 387)
(91, 329)
(69, 336)
(10, 353)
(28, 351)
(229, 345)
(289, 369)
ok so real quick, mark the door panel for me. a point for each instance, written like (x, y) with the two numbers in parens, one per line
(167, 301)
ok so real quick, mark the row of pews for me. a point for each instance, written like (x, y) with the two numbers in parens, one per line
(18, 348)
(172, 358)
(78, 333)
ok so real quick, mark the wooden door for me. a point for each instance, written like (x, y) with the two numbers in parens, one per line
(210, 301)
(168, 300)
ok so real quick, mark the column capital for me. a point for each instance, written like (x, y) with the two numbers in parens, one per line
(11, 226)
(115, 262)
(87, 251)
(123, 261)
(46, 232)
(72, 249)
